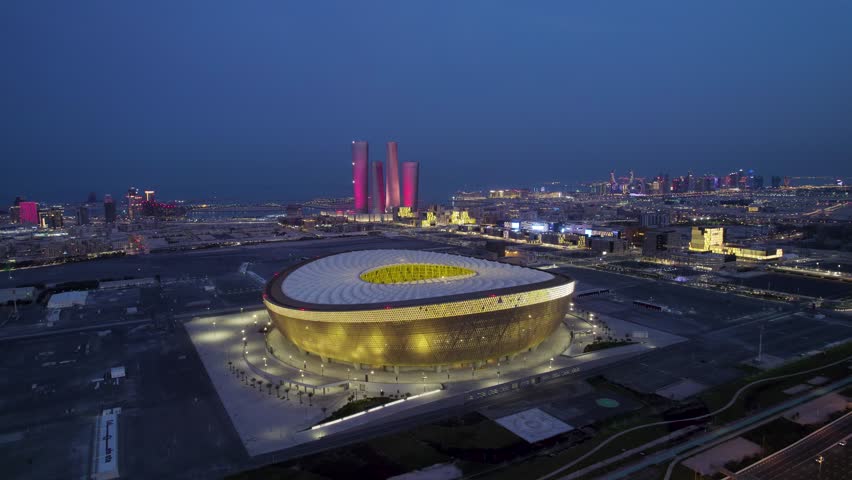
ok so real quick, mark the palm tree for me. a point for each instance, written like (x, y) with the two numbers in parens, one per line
(252, 382)
(287, 393)
(269, 388)
(278, 391)
(310, 396)
(300, 397)
(230, 365)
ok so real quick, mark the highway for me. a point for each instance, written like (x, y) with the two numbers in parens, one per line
(805, 450)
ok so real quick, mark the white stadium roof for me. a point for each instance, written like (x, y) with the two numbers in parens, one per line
(335, 279)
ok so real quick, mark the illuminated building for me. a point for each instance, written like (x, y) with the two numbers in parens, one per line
(377, 182)
(360, 175)
(51, 218)
(415, 308)
(134, 203)
(405, 212)
(109, 209)
(461, 217)
(713, 240)
(149, 195)
(707, 239)
(392, 176)
(410, 186)
(29, 213)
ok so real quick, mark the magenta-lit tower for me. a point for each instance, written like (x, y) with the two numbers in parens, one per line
(377, 186)
(29, 212)
(392, 173)
(410, 179)
(360, 175)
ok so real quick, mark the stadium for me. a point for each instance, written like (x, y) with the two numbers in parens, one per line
(379, 308)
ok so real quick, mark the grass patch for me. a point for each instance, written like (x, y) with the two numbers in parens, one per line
(778, 434)
(593, 347)
(468, 432)
(407, 452)
(356, 406)
(764, 395)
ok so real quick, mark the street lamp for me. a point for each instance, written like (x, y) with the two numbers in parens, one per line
(322, 370)
(551, 363)
(819, 460)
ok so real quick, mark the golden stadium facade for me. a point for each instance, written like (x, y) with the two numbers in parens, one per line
(415, 308)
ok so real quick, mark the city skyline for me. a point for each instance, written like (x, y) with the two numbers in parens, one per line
(199, 114)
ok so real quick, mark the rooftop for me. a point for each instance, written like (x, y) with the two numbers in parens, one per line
(349, 278)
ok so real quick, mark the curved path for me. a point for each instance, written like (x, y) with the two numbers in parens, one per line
(728, 405)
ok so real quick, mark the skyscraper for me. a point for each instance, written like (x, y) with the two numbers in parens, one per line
(410, 179)
(134, 203)
(109, 209)
(29, 213)
(360, 175)
(83, 215)
(392, 173)
(377, 183)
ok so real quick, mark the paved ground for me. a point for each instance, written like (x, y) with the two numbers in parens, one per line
(724, 330)
(709, 461)
(268, 421)
(172, 422)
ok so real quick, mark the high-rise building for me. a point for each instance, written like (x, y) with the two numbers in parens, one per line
(134, 203)
(109, 209)
(392, 174)
(83, 215)
(149, 195)
(410, 184)
(15, 214)
(776, 181)
(654, 219)
(51, 218)
(377, 183)
(360, 175)
(29, 213)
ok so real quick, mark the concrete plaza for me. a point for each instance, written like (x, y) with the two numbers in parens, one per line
(288, 397)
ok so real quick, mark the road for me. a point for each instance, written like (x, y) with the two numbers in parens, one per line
(785, 463)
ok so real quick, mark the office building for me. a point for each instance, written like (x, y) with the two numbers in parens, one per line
(83, 215)
(15, 214)
(654, 219)
(392, 177)
(410, 180)
(360, 175)
(707, 239)
(134, 203)
(377, 190)
(660, 243)
(109, 209)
